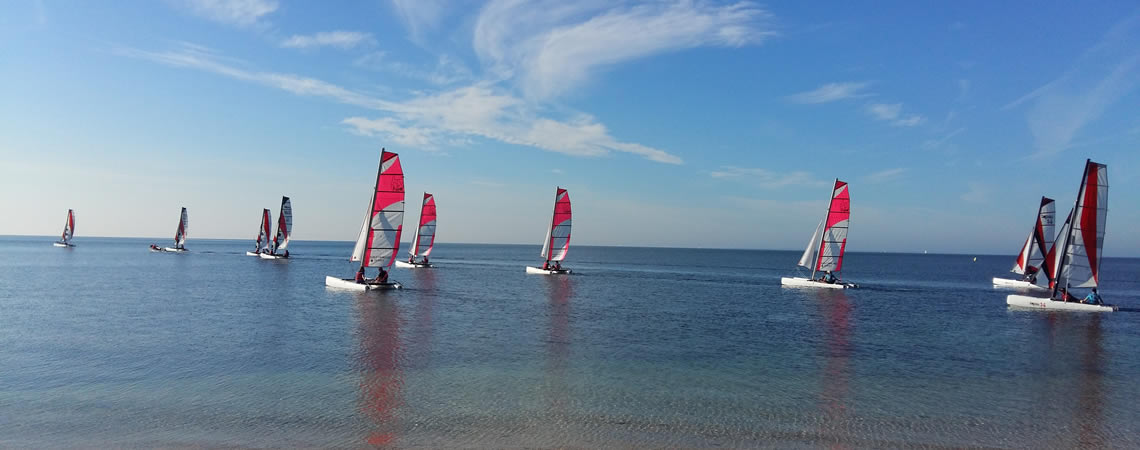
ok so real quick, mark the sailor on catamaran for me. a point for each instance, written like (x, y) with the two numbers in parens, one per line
(1093, 298)
(1030, 274)
(360, 275)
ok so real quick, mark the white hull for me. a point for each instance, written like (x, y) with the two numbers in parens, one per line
(540, 271)
(407, 265)
(806, 283)
(1005, 283)
(270, 256)
(352, 285)
(1024, 301)
(62, 244)
(252, 253)
(174, 250)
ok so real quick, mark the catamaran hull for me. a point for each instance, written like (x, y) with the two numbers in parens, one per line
(806, 283)
(407, 265)
(1027, 302)
(174, 250)
(541, 271)
(271, 256)
(252, 253)
(352, 285)
(62, 244)
(1004, 283)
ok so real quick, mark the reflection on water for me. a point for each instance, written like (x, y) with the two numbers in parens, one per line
(836, 312)
(1090, 403)
(381, 378)
(560, 289)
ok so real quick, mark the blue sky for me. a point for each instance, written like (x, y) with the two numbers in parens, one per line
(692, 124)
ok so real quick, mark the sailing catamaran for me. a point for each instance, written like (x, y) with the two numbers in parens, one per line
(425, 236)
(1033, 259)
(557, 241)
(262, 243)
(68, 231)
(379, 239)
(179, 235)
(1078, 248)
(824, 252)
(279, 250)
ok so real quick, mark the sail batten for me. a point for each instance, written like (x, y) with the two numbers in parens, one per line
(379, 239)
(284, 226)
(425, 233)
(557, 242)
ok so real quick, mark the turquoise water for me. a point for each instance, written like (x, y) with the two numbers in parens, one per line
(108, 344)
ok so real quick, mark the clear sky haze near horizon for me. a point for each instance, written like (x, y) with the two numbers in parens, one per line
(682, 124)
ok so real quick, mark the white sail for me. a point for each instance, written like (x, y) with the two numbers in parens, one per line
(1080, 260)
(812, 250)
(1040, 240)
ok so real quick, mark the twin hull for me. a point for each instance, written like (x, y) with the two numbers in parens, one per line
(1025, 301)
(804, 282)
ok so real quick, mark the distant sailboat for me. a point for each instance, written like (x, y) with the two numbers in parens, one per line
(557, 242)
(280, 248)
(179, 235)
(425, 236)
(1033, 257)
(379, 239)
(1078, 248)
(262, 244)
(825, 251)
(68, 231)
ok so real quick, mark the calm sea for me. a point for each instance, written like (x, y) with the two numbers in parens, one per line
(108, 344)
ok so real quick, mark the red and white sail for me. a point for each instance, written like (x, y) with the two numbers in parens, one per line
(284, 226)
(183, 226)
(558, 234)
(833, 242)
(263, 231)
(1039, 242)
(68, 227)
(425, 234)
(1083, 238)
(379, 239)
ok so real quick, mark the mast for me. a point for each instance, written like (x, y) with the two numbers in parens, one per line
(368, 215)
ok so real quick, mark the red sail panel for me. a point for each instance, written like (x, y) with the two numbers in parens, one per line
(834, 241)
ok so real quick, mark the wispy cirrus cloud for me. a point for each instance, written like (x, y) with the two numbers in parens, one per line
(892, 112)
(426, 120)
(767, 178)
(1103, 75)
(231, 12)
(831, 92)
(885, 175)
(549, 47)
(337, 39)
(446, 71)
(420, 16)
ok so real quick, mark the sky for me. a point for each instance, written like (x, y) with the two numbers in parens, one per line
(681, 124)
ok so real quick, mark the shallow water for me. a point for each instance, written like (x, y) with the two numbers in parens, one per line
(108, 344)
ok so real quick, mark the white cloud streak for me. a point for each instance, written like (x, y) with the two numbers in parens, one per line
(830, 92)
(552, 46)
(892, 112)
(883, 176)
(337, 39)
(231, 12)
(1103, 75)
(767, 178)
(478, 110)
